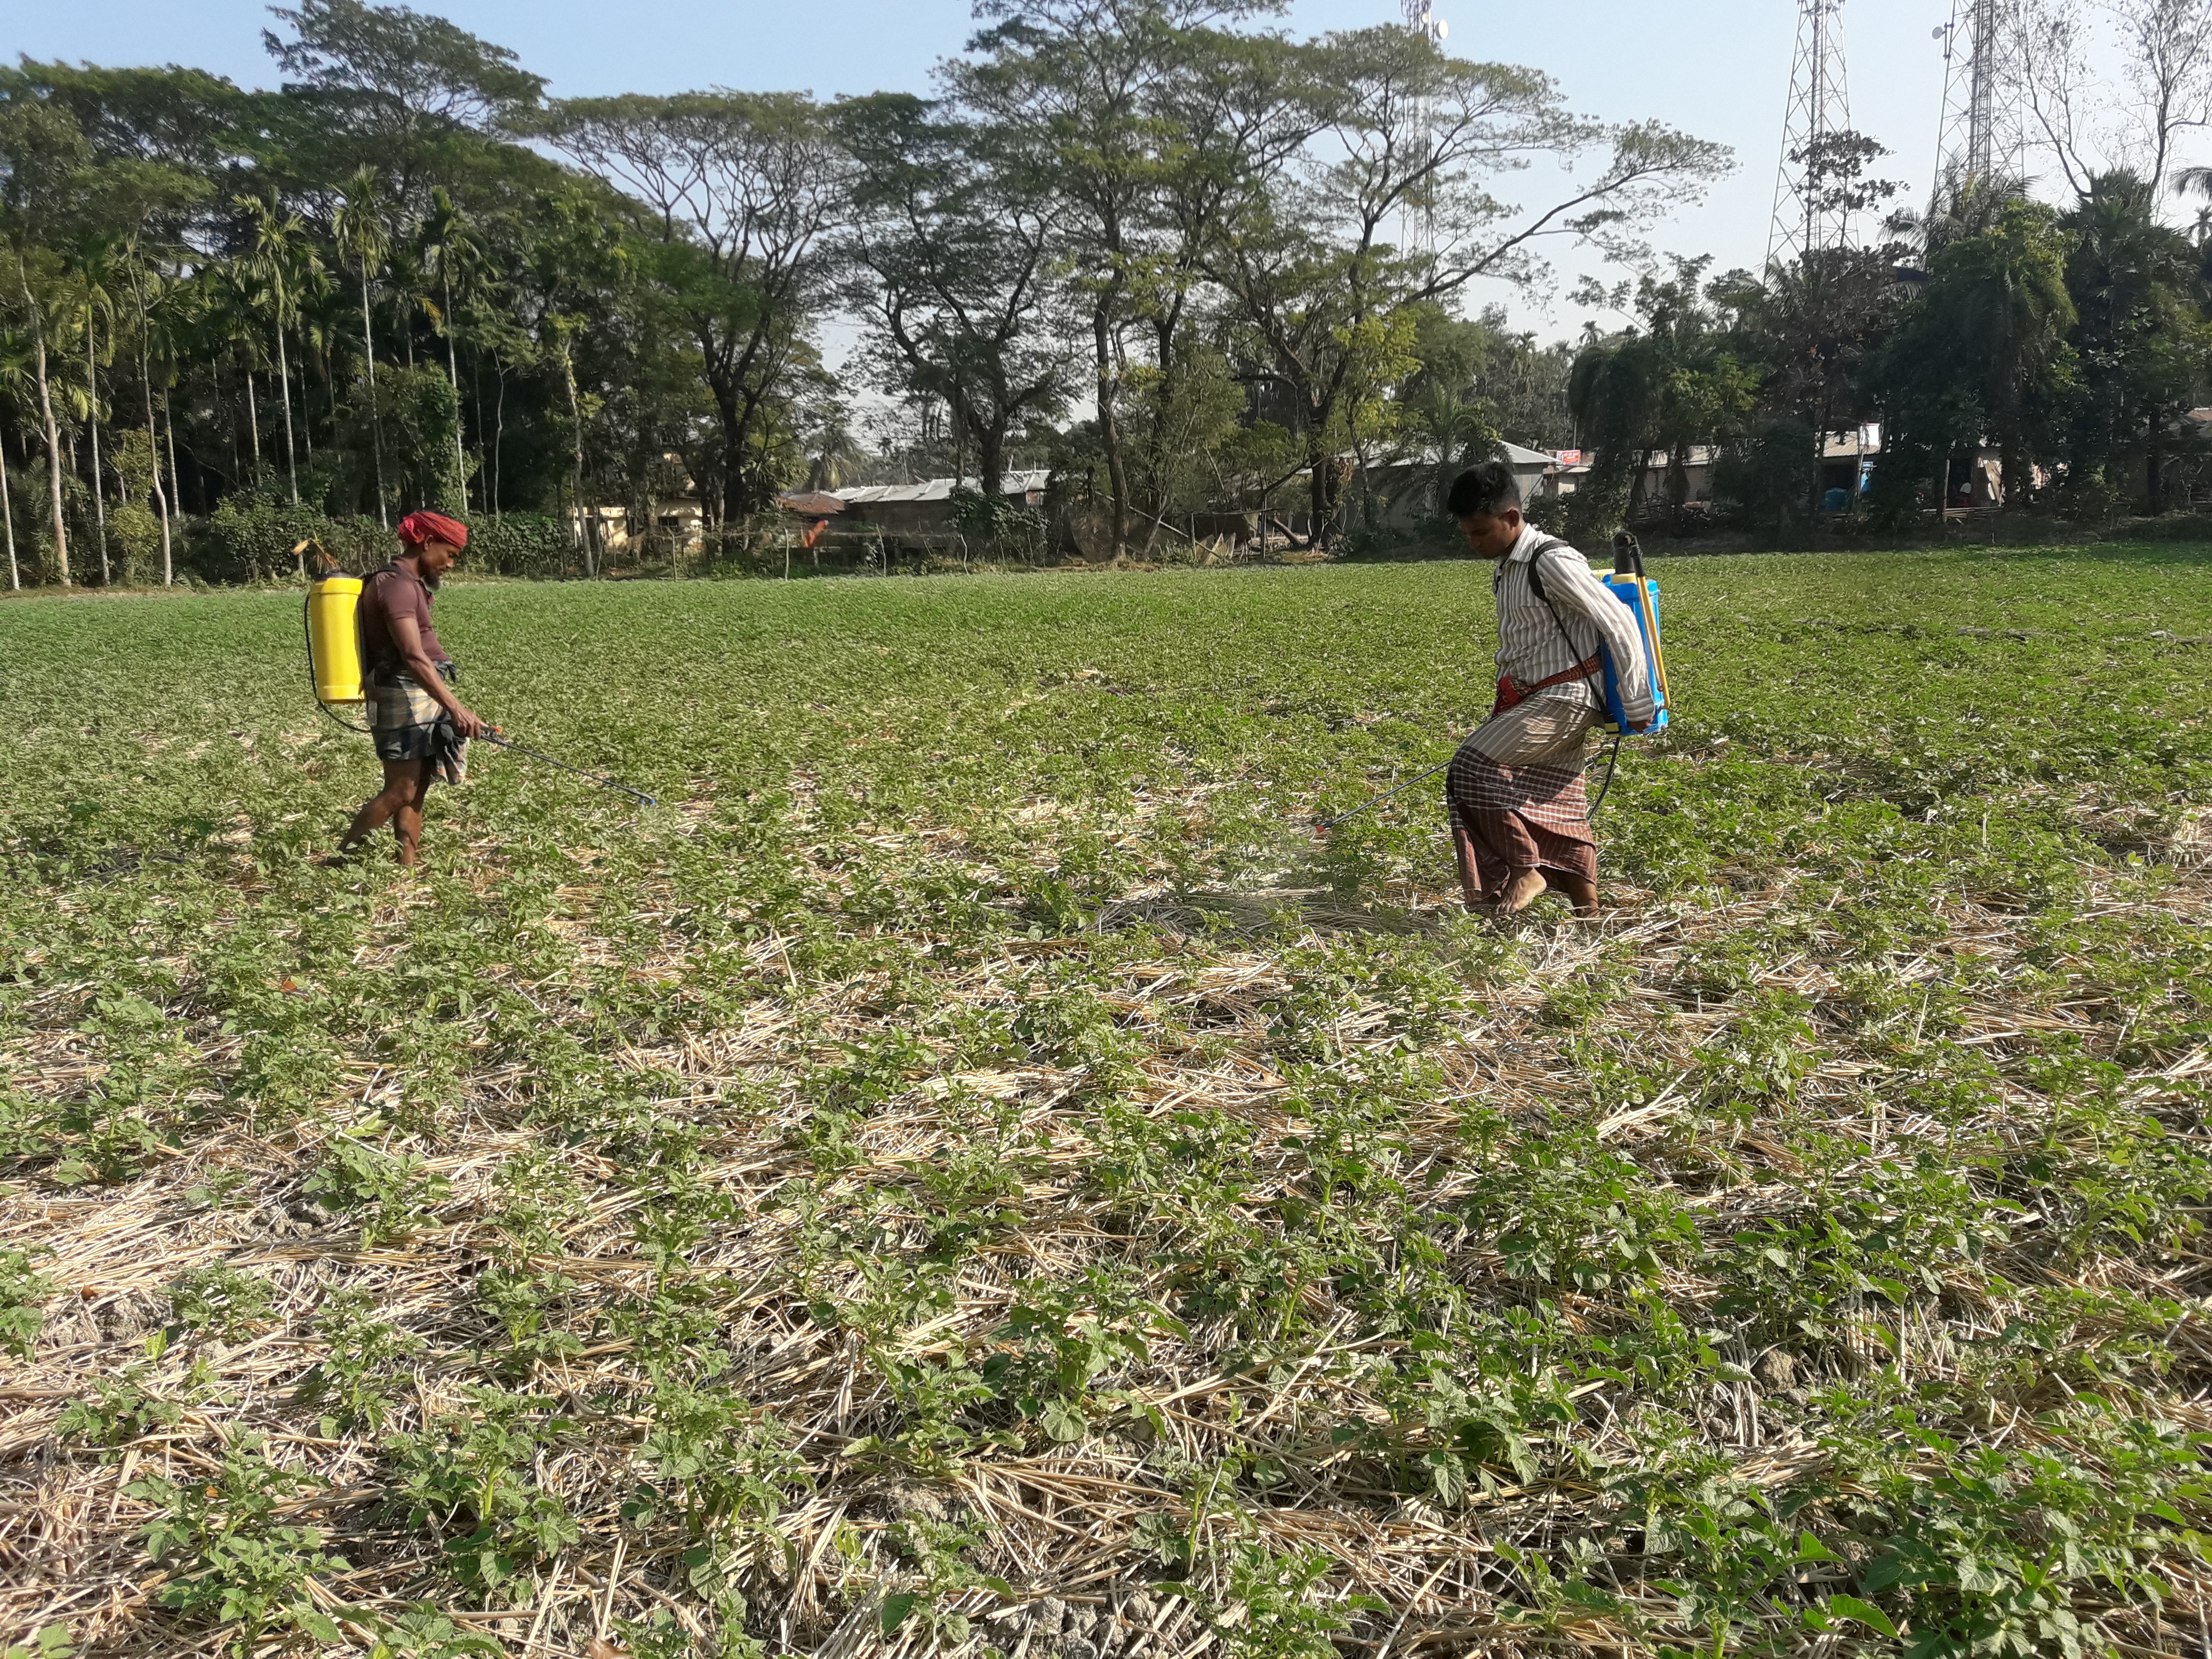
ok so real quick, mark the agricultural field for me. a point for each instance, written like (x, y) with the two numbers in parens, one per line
(972, 1170)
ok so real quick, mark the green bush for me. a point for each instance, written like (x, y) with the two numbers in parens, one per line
(250, 537)
(520, 544)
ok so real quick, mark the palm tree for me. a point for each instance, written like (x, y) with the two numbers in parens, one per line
(323, 314)
(313, 294)
(359, 228)
(143, 277)
(2197, 182)
(836, 453)
(15, 386)
(449, 251)
(276, 260)
(1966, 205)
(2000, 296)
(235, 294)
(51, 430)
(175, 316)
(2135, 281)
(96, 269)
(561, 328)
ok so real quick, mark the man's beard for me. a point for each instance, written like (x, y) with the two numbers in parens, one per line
(431, 578)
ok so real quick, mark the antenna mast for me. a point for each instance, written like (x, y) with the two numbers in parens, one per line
(1421, 220)
(1981, 138)
(1820, 108)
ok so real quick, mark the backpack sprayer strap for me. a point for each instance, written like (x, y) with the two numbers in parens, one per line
(1590, 666)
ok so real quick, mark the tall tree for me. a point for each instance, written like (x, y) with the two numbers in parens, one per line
(96, 263)
(951, 249)
(744, 190)
(1079, 84)
(2140, 339)
(390, 88)
(451, 258)
(1310, 268)
(360, 229)
(145, 285)
(278, 258)
(2163, 49)
(15, 393)
(44, 159)
(1984, 352)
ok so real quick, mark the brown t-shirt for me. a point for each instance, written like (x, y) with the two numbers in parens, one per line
(388, 594)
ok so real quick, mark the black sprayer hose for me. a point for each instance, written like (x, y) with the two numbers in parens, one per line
(491, 735)
(1611, 766)
(1376, 800)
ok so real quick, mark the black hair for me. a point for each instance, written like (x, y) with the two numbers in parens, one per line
(1485, 488)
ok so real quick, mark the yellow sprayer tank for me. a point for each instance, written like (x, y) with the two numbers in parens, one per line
(334, 638)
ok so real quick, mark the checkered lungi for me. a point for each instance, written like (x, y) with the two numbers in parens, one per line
(407, 723)
(1517, 787)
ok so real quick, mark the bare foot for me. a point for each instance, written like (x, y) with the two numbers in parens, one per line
(1526, 887)
(1579, 892)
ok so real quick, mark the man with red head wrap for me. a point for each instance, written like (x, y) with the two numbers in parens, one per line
(421, 728)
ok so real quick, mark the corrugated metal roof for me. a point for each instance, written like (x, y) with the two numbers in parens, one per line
(938, 489)
(1523, 459)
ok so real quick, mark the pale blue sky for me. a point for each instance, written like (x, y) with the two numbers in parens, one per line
(1716, 68)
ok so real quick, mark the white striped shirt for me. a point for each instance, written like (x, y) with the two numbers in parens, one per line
(1536, 641)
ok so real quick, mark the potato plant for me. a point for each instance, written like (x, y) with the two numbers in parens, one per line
(974, 1168)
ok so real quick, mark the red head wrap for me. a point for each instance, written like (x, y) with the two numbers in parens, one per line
(419, 527)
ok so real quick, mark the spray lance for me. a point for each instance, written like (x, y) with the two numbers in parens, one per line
(1640, 594)
(332, 622)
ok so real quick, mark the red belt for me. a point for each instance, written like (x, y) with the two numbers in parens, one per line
(1510, 691)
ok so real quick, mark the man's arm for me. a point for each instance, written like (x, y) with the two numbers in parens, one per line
(1567, 576)
(408, 640)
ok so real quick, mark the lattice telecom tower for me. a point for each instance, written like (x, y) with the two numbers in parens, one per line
(1981, 137)
(1421, 222)
(1819, 106)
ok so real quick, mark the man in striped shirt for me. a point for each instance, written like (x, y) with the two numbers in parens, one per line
(1520, 813)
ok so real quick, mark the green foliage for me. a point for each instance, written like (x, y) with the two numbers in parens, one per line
(982, 1073)
(425, 1632)
(120, 1410)
(1773, 474)
(359, 1375)
(390, 1191)
(230, 1560)
(520, 544)
(250, 537)
(47, 1642)
(1275, 1606)
(938, 1571)
(720, 1465)
(420, 416)
(23, 1296)
(467, 1481)
(221, 1301)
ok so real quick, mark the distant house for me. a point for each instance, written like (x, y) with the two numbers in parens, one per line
(1413, 487)
(912, 508)
(674, 520)
(1846, 461)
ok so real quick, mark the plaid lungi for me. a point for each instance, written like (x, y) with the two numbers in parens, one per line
(1516, 786)
(407, 723)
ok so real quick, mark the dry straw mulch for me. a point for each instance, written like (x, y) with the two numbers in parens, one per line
(1057, 1520)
